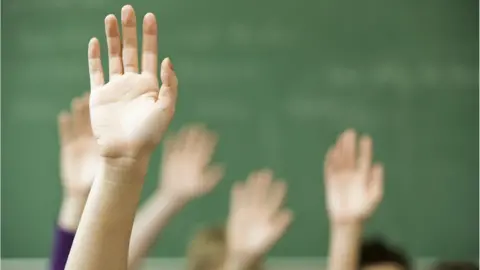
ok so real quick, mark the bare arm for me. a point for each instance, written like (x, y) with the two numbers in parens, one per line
(77, 154)
(185, 175)
(353, 190)
(71, 212)
(344, 245)
(103, 235)
(149, 222)
(78, 151)
(129, 116)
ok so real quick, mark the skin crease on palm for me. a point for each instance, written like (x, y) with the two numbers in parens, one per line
(134, 98)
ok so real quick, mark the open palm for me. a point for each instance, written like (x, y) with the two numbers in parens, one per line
(186, 171)
(257, 219)
(79, 150)
(130, 113)
(353, 186)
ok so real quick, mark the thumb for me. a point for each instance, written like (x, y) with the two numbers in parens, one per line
(212, 176)
(376, 184)
(65, 127)
(169, 80)
(280, 222)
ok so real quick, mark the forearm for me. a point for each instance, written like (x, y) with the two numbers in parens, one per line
(149, 222)
(344, 246)
(71, 211)
(103, 235)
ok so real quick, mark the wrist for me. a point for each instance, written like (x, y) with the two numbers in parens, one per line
(350, 227)
(174, 203)
(123, 170)
(346, 233)
(171, 198)
(71, 211)
(346, 223)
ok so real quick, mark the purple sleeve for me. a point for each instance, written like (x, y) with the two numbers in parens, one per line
(61, 248)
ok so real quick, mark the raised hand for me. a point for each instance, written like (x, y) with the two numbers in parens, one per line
(354, 186)
(130, 113)
(79, 151)
(257, 219)
(186, 172)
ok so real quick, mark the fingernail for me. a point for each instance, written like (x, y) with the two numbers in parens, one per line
(170, 65)
(124, 13)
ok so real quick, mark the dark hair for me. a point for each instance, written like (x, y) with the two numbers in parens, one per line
(455, 266)
(376, 251)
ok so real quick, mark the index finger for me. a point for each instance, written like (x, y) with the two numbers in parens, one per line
(95, 64)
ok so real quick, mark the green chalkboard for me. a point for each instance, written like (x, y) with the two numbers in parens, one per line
(278, 80)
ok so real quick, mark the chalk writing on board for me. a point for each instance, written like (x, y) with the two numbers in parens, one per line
(270, 137)
(422, 74)
(310, 109)
(50, 70)
(222, 109)
(36, 110)
(21, 6)
(41, 42)
(212, 70)
(342, 76)
(197, 38)
(389, 74)
(269, 34)
(381, 76)
(208, 37)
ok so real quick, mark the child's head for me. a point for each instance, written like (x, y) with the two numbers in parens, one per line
(375, 254)
(208, 250)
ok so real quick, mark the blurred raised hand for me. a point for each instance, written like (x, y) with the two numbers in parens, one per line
(131, 112)
(78, 160)
(257, 218)
(186, 172)
(354, 186)
(79, 151)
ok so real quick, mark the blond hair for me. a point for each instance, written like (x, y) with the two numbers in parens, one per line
(207, 250)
